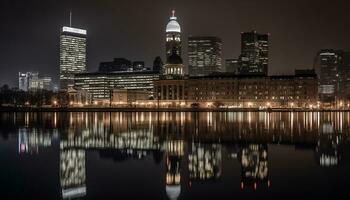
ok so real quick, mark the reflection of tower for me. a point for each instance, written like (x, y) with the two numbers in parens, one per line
(174, 154)
(327, 150)
(205, 161)
(254, 163)
(72, 173)
(173, 36)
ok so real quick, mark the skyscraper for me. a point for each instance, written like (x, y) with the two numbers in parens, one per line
(204, 55)
(334, 72)
(173, 36)
(254, 57)
(72, 55)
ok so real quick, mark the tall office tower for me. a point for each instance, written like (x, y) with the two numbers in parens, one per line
(334, 72)
(173, 36)
(232, 65)
(72, 55)
(204, 55)
(117, 65)
(254, 57)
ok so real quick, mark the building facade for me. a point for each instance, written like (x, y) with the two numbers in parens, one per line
(100, 85)
(117, 65)
(204, 55)
(129, 97)
(334, 75)
(24, 80)
(173, 36)
(228, 90)
(30, 81)
(72, 55)
(254, 58)
(232, 65)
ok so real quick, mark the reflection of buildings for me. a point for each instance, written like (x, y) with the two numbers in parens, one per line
(72, 173)
(327, 149)
(29, 141)
(243, 136)
(205, 161)
(174, 154)
(254, 163)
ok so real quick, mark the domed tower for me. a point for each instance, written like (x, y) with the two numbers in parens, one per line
(174, 66)
(173, 36)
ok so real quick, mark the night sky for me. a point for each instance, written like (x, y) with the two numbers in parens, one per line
(135, 29)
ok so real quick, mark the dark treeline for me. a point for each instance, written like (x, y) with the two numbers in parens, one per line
(14, 97)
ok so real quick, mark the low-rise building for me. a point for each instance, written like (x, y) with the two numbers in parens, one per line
(101, 85)
(129, 97)
(229, 90)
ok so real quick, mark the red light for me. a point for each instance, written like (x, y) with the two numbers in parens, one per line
(254, 186)
(268, 183)
(242, 185)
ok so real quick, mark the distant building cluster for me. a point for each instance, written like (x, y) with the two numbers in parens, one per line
(207, 80)
(30, 81)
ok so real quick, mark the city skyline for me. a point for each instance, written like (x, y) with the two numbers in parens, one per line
(111, 37)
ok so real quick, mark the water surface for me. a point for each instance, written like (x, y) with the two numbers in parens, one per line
(169, 155)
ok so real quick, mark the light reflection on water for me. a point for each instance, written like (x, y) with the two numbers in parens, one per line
(194, 149)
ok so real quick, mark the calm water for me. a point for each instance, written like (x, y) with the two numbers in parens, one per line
(174, 155)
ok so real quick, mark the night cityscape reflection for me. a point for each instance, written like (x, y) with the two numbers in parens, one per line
(193, 150)
(174, 100)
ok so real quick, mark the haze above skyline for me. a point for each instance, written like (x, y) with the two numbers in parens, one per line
(136, 30)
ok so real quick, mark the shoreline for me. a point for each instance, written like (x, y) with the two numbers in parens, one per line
(108, 109)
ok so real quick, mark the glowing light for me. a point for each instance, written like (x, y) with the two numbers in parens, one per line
(74, 30)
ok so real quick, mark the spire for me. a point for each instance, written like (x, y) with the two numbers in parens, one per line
(173, 17)
(70, 18)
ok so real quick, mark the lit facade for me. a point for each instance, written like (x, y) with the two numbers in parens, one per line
(100, 85)
(334, 75)
(173, 36)
(204, 55)
(229, 90)
(24, 80)
(31, 81)
(72, 55)
(254, 57)
(129, 97)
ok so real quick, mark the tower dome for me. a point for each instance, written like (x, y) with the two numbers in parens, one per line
(174, 58)
(173, 26)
